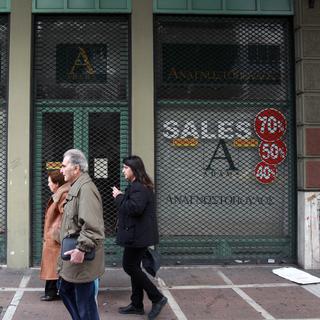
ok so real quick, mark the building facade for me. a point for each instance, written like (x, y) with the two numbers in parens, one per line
(220, 98)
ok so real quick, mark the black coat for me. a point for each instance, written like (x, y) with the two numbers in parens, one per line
(137, 221)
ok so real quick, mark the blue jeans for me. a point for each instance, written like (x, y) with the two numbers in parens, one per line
(79, 299)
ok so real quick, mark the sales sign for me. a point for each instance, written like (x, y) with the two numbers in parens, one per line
(265, 173)
(270, 124)
(272, 152)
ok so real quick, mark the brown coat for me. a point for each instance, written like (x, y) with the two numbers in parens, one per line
(51, 234)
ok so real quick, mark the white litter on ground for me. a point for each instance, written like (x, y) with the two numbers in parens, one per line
(296, 275)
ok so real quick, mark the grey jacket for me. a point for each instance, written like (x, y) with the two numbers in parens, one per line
(83, 215)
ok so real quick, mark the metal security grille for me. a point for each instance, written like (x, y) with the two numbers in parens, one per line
(4, 36)
(81, 90)
(225, 139)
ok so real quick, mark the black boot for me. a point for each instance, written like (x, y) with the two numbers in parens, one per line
(131, 309)
(156, 308)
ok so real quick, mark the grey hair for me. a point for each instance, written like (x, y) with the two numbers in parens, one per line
(77, 157)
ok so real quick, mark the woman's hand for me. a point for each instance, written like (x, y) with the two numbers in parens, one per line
(116, 192)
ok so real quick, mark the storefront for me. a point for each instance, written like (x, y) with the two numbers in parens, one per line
(202, 90)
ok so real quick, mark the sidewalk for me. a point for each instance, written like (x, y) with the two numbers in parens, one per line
(194, 293)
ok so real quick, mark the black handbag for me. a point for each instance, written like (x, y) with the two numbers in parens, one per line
(69, 243)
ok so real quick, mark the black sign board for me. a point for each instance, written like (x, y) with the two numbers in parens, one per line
(205, 64)
(81, 63)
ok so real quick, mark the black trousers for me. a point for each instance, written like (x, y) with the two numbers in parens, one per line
(51, 288)
(140, 282)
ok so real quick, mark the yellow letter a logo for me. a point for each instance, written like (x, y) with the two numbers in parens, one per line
(81, 61)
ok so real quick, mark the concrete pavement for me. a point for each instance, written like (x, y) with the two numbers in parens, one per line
(194, 292)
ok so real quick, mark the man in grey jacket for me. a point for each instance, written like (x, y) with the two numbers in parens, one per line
(83, 218)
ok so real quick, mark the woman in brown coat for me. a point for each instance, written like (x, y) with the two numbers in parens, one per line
(51, 234)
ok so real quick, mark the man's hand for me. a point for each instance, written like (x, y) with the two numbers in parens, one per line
(77, 256)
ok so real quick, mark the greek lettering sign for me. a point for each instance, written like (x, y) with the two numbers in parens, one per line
(220, 63)
(81, 63)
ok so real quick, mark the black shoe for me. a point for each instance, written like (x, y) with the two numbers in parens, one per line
(156, 308)
(49, 298)
(130, 309)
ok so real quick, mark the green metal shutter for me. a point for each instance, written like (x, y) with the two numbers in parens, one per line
(224, 85)
(82, 95)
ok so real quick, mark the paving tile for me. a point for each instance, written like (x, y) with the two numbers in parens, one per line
(190, 276)
(253, 275)
(111, 278)
(35, 281)
(110, 301)
(286, 302)
(5, 299)
(10, 277)
(315, 272)
(31, 308)
(214, 304)
(115, 278)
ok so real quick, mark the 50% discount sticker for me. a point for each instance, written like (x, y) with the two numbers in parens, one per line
(270, 125)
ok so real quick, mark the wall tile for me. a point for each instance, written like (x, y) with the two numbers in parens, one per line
(311, 43)
(312, 141)
(310, 16)
(311, 75)
(311, 106)
(300, 141)
(313, 174)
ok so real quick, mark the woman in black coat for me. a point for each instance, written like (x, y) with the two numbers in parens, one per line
(137, 229)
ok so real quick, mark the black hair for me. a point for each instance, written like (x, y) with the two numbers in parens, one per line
(137, 166)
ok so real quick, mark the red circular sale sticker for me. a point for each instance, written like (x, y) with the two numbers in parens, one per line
(270, 124)
(265, 173)
(272, 152)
